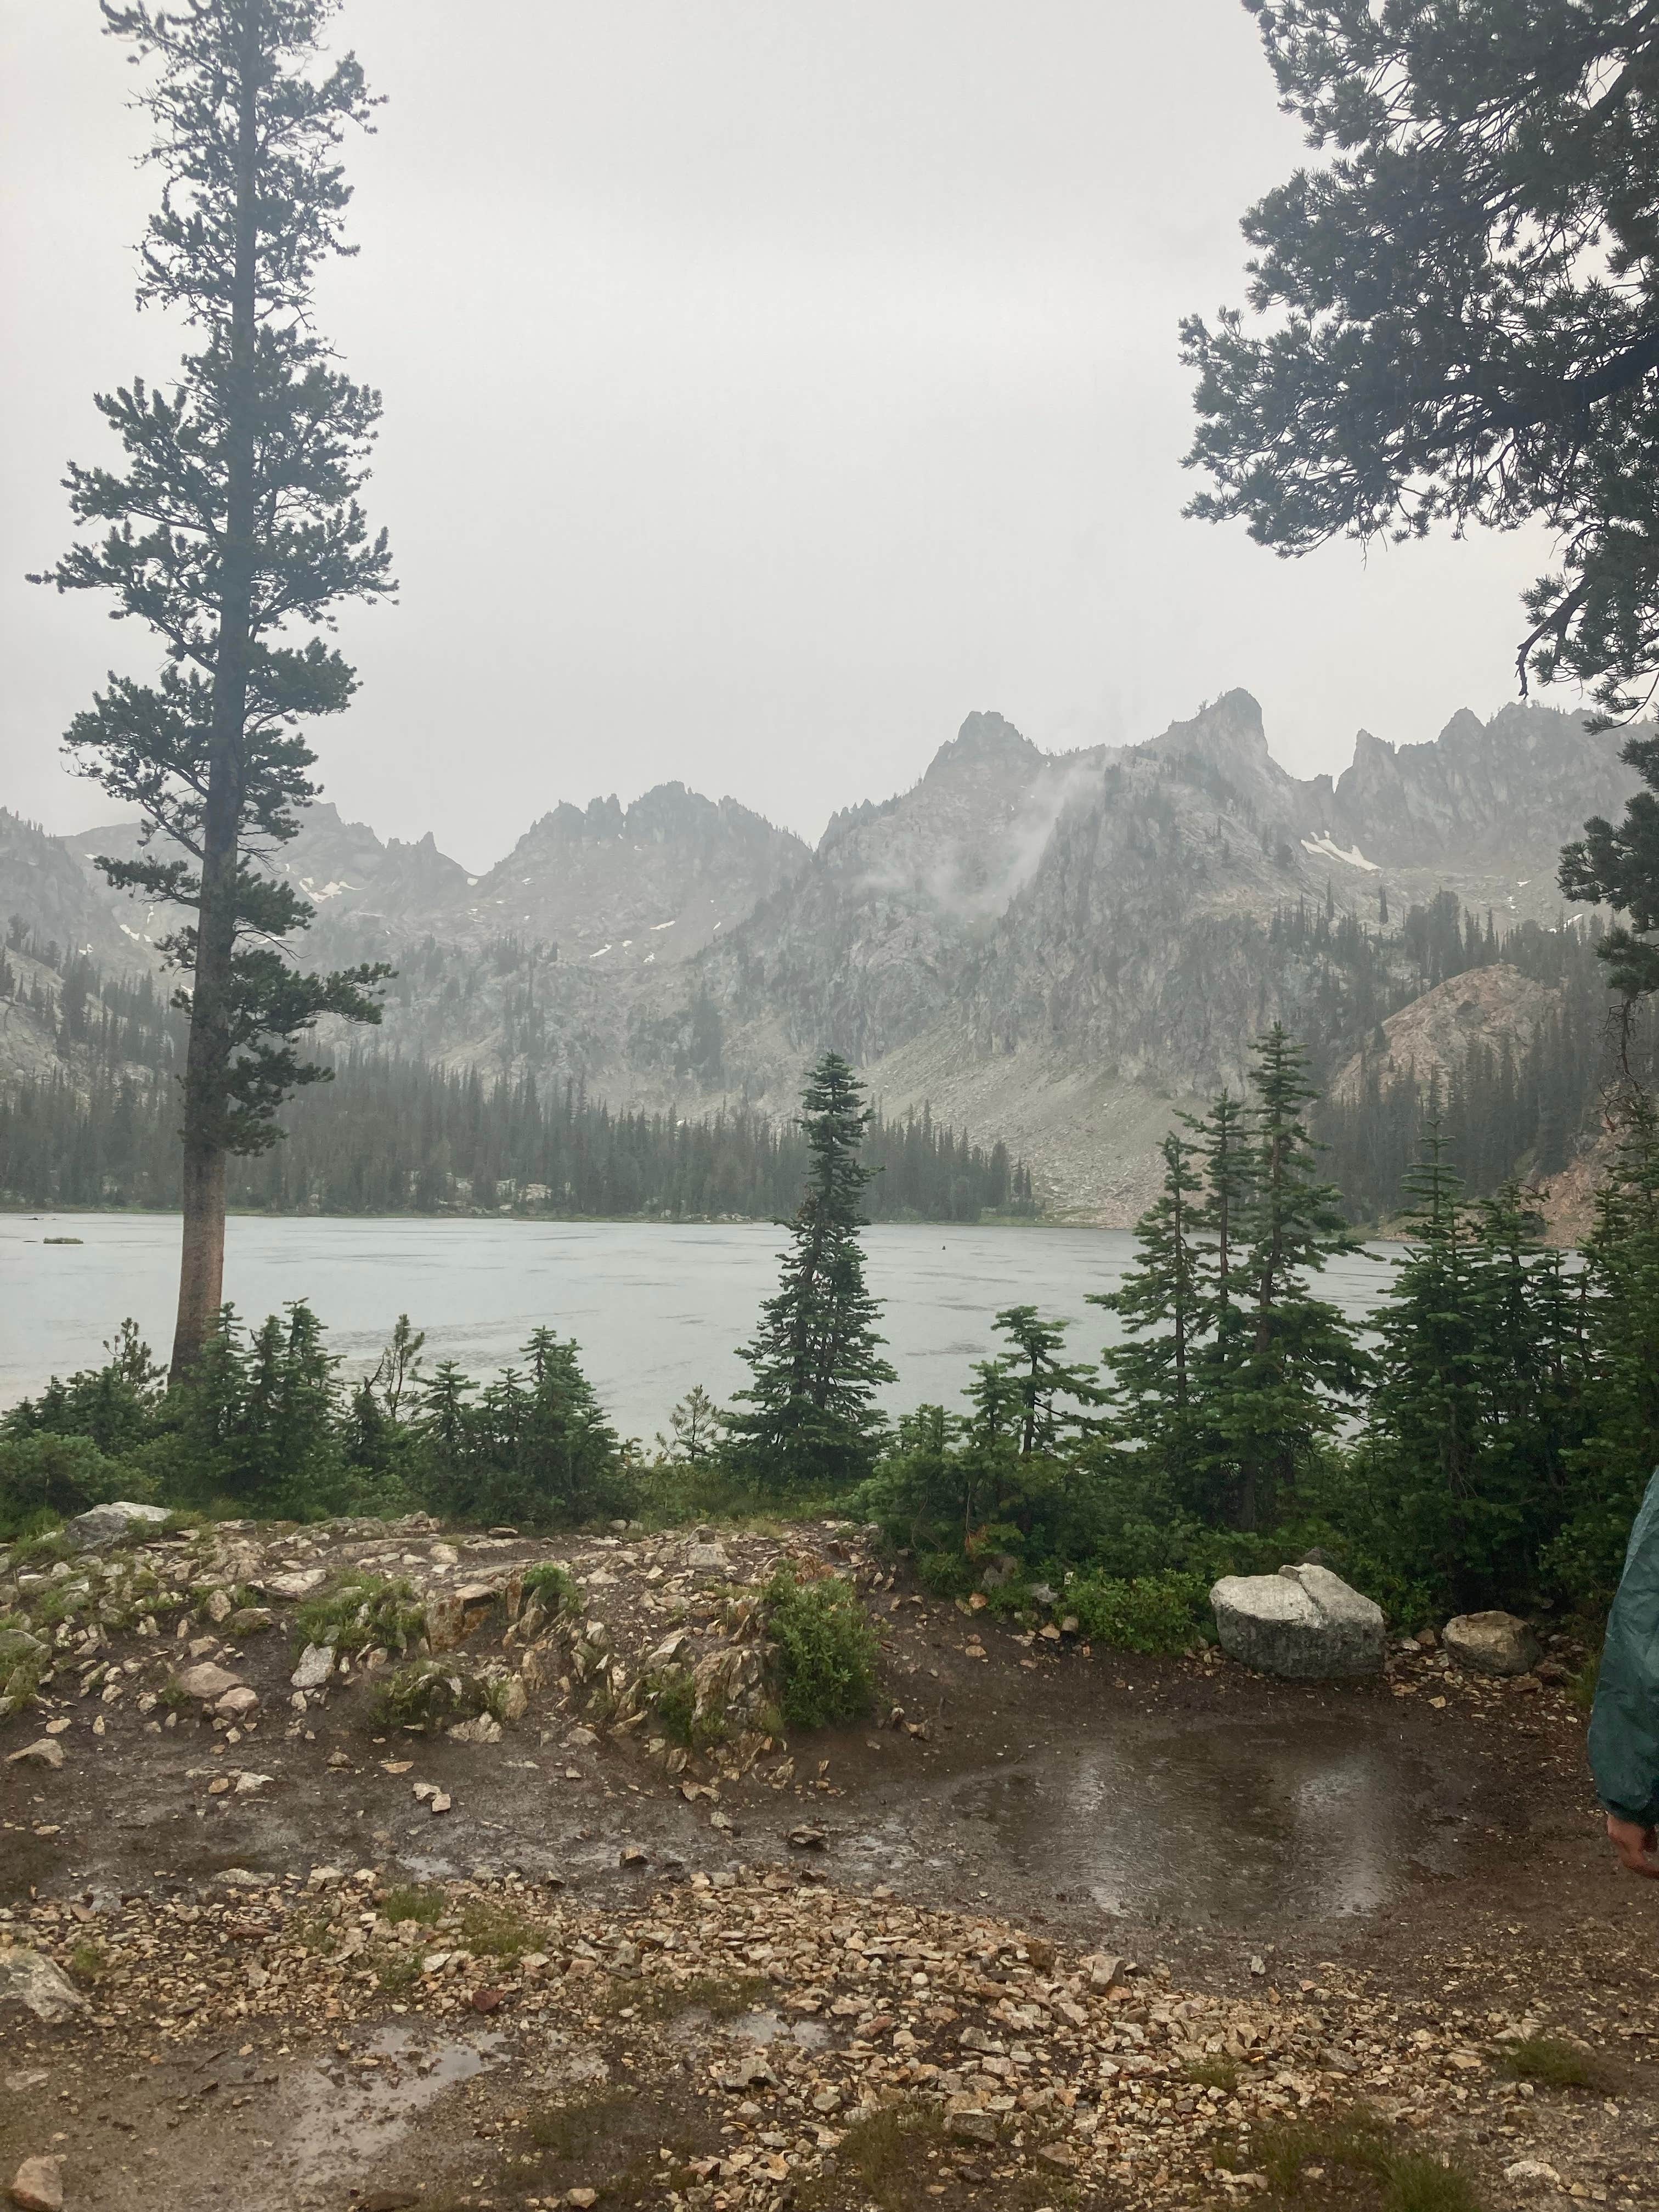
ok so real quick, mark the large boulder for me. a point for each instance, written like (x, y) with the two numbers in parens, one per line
(1304, 1622)
(1491, 1643)
(104, 1525)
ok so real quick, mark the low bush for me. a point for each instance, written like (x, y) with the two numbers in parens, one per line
(554, 1588)
(826, 1650)
(430, 1695)
(45, 1478)
(1153, 1613)
(672, 1698)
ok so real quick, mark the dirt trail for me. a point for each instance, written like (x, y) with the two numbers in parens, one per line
(1055, 1928)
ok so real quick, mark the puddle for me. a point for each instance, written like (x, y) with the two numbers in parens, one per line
(1318, 1817)
(330, 2129)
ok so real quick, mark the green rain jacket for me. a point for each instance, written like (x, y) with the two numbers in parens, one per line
(1624, 1729)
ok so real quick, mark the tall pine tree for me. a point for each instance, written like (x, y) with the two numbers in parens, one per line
(234, 525)
(808, 1416)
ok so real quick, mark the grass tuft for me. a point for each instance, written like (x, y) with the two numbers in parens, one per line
(1350, 2161)
(361, 1613)
(1553, 2064)
(1212, 2074)
(410, 1901)
(884, 2155)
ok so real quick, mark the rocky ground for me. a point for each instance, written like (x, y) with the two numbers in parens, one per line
(544, 1908)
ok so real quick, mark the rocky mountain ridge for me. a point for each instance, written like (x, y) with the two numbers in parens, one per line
(1059, 949)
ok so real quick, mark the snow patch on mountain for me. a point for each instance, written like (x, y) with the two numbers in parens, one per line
(1353, 857)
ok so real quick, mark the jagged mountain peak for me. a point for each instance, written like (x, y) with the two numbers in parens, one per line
(1227, 735)
(985, 739)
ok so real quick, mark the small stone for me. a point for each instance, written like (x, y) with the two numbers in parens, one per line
(808, 1839)
(38, 2185)
(45, 1753)
(1532, 2169)
(481, 1729)
(579, 2199)
(236, 1705)
(440, 1802)
(207, 1682)
(249, 1785)
(971, 2126)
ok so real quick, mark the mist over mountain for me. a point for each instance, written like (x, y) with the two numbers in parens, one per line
(1062, 951)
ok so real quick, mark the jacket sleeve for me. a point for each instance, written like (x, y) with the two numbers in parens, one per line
(1624, 1731)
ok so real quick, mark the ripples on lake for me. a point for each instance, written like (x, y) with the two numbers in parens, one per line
(655, 1308)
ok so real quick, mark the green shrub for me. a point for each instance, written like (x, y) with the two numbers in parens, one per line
(826, 1650)
(534, 1449)
(1154, 1613)
(46, 1477)
(554, 1588)
(672, 1698)
(364, 1613)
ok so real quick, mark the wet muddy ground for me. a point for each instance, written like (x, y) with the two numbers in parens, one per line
(1420, 1852)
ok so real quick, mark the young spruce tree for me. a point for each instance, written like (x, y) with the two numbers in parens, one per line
(1299, 1355)
(234, 526)
(808, 1417)
(1161, 1301)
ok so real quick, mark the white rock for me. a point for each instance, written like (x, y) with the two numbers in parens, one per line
(236, 1704)
(1304, 1622)
(109, 1524)
(299, 1582)
(46, 1753)
(28, 1979)
(1532, 2169)
(208, 1682)
(316, 1665)
(481, 1730)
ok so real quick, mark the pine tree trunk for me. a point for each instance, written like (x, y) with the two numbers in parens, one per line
(207, 1065)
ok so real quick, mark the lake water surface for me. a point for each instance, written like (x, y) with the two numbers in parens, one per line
(655, 1308)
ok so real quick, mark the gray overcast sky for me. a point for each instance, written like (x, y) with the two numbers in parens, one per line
(768, 383)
